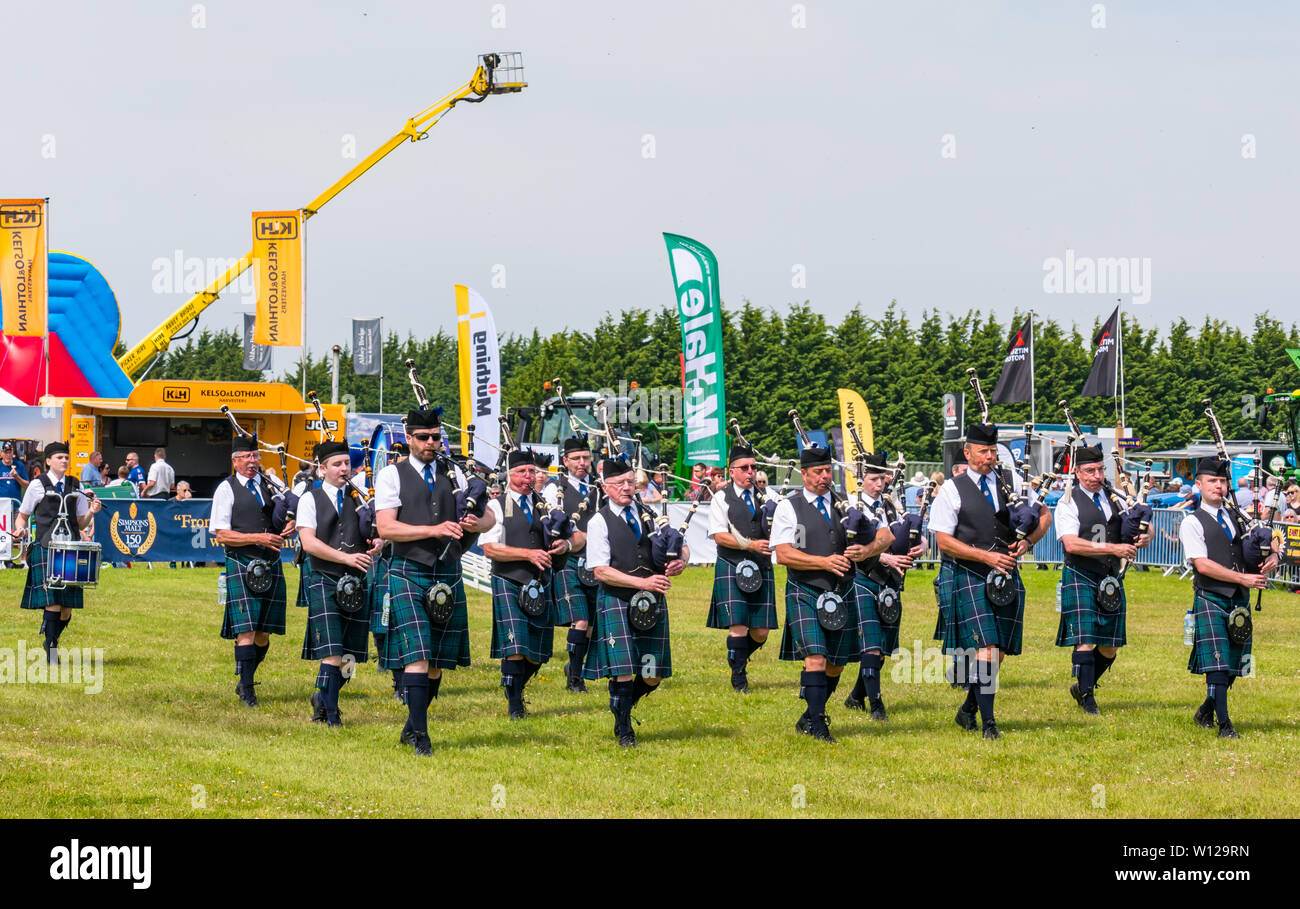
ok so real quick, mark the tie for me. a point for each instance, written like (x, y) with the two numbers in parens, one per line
(428, 476)
(821, 506)
(984, 488)
(1223, 522)
(632, 522)
(528, 512)
(252, 487)
(59, 487)
(749, 500)
(582, 488)
(338, 500)
(1096, 497)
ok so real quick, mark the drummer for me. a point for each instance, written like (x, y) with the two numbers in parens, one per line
(48, 495)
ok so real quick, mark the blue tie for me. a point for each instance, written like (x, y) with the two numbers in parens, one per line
(528, 512)
(984, 488)
(339, 501)
(632, 522)
(59, 487)
(428, 476)
(252, 487)
(1096, 497)
(582, 488)
(821, 506)
(749, 500)
(1223, 522)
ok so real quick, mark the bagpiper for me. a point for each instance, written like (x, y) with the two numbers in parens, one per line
(573, 584)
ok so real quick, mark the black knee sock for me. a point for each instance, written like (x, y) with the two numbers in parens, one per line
(860, 686)
(434, 683)
(1102, 663)
(245, 663)
(1216, 685)
(640, 688)
(814, 691)
(871, 663)
(620, 699)
(512, 681)
(333, 684)
(62, 624)
(417, 701)
(577, 643)
(737, 652)
(530, 670)
(1085, 671)
(398, 675)
(322, 683)
(832, 682)
(755, 646)
(261, 652)
(50, 628)
(985, 689)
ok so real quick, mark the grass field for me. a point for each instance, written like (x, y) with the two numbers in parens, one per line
(166, 736)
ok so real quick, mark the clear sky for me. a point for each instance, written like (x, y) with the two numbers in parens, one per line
(936, 153)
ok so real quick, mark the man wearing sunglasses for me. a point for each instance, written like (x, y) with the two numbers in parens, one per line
(415, 508)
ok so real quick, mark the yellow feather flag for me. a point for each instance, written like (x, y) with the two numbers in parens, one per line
(278, 275)
(852, 407)
(23, 266)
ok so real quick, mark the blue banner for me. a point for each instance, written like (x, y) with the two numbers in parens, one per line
(158, 530)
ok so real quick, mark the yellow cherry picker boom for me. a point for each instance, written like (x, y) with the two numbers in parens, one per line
(496, 74)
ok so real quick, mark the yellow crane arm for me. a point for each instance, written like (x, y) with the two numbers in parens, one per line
(496, 74)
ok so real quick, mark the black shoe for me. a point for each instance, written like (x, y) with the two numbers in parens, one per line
(819, 728)
(423, 747)
(1204, 717)
(803, 725)
(52, 654)
(247, 695)
(1087, 704)
(966, 719)
(991, 731)
(317, 708)
(623, 729)
(517, 709)
(573, 680)
(334, 719)
(1076, 694)
(878, 711)
(408, 735)
(1227, 732)
(855, 703)
(740, 681)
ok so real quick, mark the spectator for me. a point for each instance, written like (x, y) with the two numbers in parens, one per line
(123, 475)
(182, 492)
(650, 491)
(135, 472)
(699, 490)
(13, 475)
(912, 491)
(760, 480)
(34, 468)
(1245, 495)
(1290, 511)
(91, 475)
(161, 477)
(1268, 504)
(105, 473)
(959, 465)
(717, 480)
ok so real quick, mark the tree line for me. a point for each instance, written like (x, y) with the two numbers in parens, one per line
(774, 362)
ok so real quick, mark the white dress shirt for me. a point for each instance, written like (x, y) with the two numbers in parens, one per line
(943, 512)
(1192, 535)
(306, 514)
(598, 534)
(551, 491)
(1066, 515)
(388, 484)
(718, 520)
(785, 522)
(223, 502)
(36, 491)
(497, 533)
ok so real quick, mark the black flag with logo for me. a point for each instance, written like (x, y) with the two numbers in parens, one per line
(1105, 360)
(366, 343)
(1017, 380)
(256, 356)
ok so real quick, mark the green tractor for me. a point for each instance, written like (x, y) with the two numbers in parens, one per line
(1287, 402)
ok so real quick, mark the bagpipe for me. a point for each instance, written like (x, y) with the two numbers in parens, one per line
(830, 610)
(285, 502)
(764, 503)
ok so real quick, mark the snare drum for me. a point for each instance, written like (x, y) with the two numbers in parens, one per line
(71, 564)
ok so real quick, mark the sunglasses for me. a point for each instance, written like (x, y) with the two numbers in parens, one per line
(747, 468)
(426, 436)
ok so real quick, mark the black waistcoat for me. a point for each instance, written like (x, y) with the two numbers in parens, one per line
(820, 539)
(246, 516)
(421, 507)
(978, 524)
(626, 553)
(572, 501)
(336, 529)
(871, 567)
(523, 534)
(46, 513)
(749, 525)
(1094, 527)
(1221, 549)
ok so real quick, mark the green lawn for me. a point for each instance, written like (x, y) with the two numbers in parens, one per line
(166, 736)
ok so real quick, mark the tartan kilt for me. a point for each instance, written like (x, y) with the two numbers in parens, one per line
(411, 636)
(732, 606)
(330, 631)
(873, 634)
(945, 629)
(35, 596)
(570, 601)
(377, 584)
(513, 633)
(245, 610)
(1081, 621)
(300, 598)
(980, 623)
(804, 636)
(619, 649)
(1211, 649)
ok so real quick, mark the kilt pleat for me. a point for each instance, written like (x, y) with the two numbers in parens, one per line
(619, 649)
(732, 606)
(945, 629)
(979, 622)
(513, 634)
(411, 637)
(804, 636)
(1082, 622)
(873, 634)
(1211, 649)
(571, 601)
(35, 596)
(330, 631)
(247, 611)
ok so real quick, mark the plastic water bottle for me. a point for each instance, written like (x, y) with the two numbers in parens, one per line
(387, 601)
(1189, 628)
(1058, 594)
(221, 589)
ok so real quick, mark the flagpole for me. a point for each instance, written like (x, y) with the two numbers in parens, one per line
(45, 342)
(1032, 411)
(1119, 362)
(381, 364)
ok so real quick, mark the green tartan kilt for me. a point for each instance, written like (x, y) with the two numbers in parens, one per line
(513, 633)
(377, 584)
(330, 631)
(873, 634)
(804, 636)
(35, 596)
(1211, 649)
(945, 629)
(245, 610)
(619, 649)
(732, 606)
(300, 598)
(979, 622)
(411, 636)
(570, 600)
(1081, 621)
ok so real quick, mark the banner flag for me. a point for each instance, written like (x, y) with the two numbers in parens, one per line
(366, 347)
(699, 306)
(480, 373)
(1102, 380)
(256, 356)
(852, 407)
(278, 276)
(1017, 380)
(23, 267)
